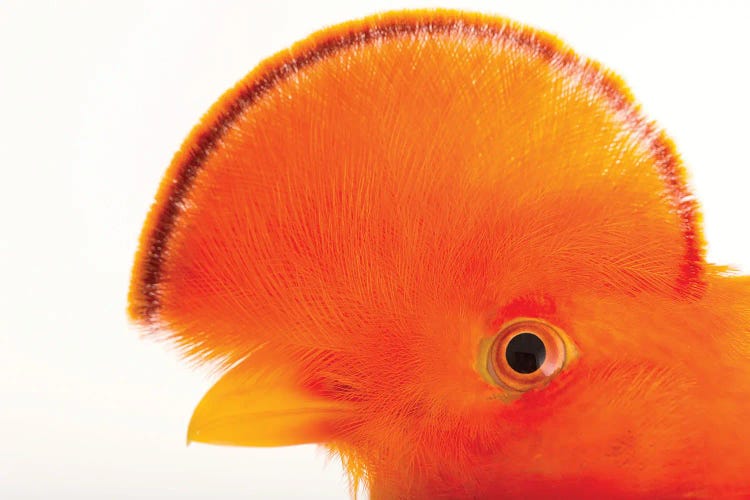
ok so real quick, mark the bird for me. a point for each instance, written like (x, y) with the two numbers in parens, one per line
(460, 257)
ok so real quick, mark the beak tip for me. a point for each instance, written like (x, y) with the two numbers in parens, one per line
(192, 434)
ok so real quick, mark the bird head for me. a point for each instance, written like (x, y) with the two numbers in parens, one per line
(456, 254)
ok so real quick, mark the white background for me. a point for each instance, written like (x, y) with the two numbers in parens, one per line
(95, 97)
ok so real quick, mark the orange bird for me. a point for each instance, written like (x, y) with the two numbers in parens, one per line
(456, 254)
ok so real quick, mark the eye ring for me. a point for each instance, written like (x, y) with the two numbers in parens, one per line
(526, 354)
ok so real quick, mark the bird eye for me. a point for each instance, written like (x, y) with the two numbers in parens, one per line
(525, 354)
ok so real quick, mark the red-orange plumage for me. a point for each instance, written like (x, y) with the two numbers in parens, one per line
(351, 222)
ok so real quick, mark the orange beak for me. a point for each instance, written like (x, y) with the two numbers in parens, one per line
(257, 405)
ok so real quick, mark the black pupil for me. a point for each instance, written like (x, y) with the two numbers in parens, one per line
(525, 353)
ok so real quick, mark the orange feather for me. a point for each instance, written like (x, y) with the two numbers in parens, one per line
(349, 228)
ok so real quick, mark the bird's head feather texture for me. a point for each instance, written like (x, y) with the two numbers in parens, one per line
(347, 225)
